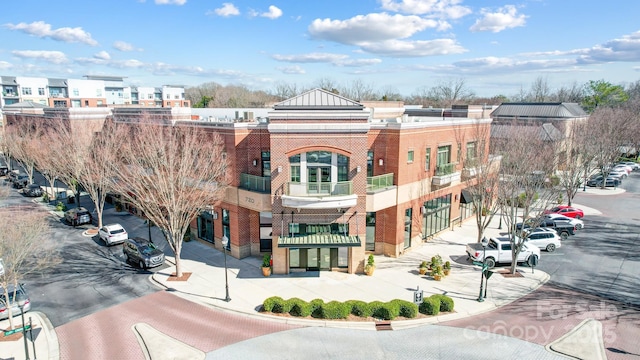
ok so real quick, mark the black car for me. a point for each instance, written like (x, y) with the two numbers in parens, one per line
(4, 170)
(21, 181)
(33, 190)
(77, 216)
(142, 252)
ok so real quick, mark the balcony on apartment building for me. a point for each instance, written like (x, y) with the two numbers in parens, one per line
(445, 174)
(380, 182)
(319, 195)
(261, 184)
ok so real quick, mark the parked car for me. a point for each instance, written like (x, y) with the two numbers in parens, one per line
(567, 211)
(578, 223)
(77, 216)
(20, 181)
(634, 166)
(563, 228)
(628, 169)
(142, 252)
(33, 190)
(4, 170)
(113, 234)
(543, 238)
(17, 295)
(598, 180)
(619, 173)
(498, 250)
(12, 175)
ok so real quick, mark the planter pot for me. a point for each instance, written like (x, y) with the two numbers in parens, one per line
(423, 271)
(369, 270)
(447, 272)
(266, 271)
(437, 277)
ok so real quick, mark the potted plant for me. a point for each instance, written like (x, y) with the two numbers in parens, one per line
(266, 264)
(447, 268)
(436, 261)
(368, 269)
(424, 267)
(437, 273)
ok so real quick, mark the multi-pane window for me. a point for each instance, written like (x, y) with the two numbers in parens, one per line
(444, 155)
(471, 151)
(410, 156)
(41, 91)
(266, 163)
(26, 91)
(343, 168)
(370, 163)
(226, 230)
(76, 92)
(294, 162)
(427, 159)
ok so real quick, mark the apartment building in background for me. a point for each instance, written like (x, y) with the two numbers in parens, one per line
(92, 91)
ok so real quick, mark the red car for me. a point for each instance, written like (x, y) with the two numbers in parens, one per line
(567, 211)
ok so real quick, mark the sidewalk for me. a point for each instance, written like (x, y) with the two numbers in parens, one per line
(394, 278)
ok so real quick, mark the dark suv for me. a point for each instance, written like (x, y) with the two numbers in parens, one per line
(21, 181)
(32, 190)
(77, 216)
(142, 252)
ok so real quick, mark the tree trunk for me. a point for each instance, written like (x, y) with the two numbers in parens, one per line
(178, 266)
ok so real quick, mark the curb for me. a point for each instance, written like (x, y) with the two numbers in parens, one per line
(50, 333)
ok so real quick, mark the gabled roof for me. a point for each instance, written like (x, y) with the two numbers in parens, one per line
(545, 132)
(318, 99)
(556, 110)
(57, 82)
(8, 80)
(26, 105)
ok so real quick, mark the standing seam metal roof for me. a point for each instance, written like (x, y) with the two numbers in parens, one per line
(542, 110)
(318, 99)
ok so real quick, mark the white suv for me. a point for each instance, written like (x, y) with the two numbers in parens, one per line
(544, 238)
(113, 234)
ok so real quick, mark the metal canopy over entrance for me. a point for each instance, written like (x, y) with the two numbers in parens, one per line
(318, 241)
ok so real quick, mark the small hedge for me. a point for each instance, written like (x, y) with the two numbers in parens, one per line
(430, 306)
(317, 308)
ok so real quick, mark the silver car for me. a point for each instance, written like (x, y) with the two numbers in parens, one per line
(113, 234)
(16, 296)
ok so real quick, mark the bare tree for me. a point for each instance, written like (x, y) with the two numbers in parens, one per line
(575, 165)
(540, 91)
(23, 137)
(25, 247)
(480, 172)
(171, 174)
(358, 91)
(523, 191)
(608, 134)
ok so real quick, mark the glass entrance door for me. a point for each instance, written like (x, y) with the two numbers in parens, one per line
(319, 179)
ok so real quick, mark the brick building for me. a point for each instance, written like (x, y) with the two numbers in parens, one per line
(324, 180)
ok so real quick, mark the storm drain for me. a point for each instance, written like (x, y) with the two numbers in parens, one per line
(383, 325)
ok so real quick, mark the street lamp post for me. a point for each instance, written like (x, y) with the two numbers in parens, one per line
(225, 242)
(484, 267)
(24, 329)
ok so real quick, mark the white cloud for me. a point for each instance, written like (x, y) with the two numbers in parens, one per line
(227, 9)
(291, 70)
(357, 62)
(103, 55)
(400, 48)
(54, 57)
(369, 28)
(124, 46)
(5, 65)
(506, 17)
(310, 58)
(273, 13)
(170, 2)
(504, 65)
(626, 48)
(441, 8)
(43, 30)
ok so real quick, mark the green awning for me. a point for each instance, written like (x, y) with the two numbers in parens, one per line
(318, 240)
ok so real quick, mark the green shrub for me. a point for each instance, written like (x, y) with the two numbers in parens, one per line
(316, 307)
(299, 307)
(335, 310)
(385, 311)
(274, 304)
(60, 206)
(45, 197)
(406, 308)
(359, 308)
(446, 303)
(430, 306)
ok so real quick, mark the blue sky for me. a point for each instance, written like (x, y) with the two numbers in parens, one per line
(495, 46)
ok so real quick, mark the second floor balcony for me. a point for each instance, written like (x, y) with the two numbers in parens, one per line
(319, 195)
(445, 174)
(379, 182)
(255, 183)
